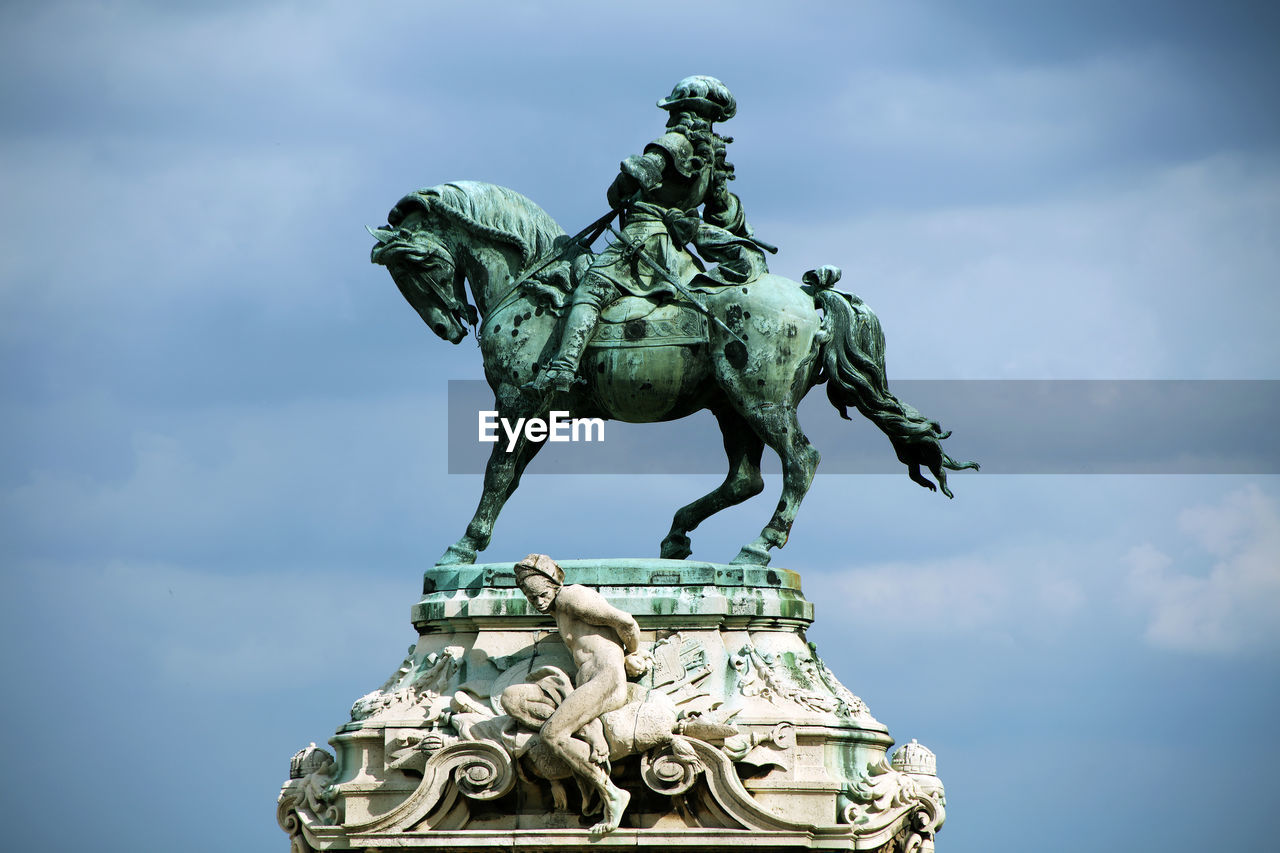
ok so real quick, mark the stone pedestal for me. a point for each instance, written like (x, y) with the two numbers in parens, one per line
(739, 734)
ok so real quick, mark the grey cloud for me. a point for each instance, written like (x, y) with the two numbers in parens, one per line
(1230, 608)
(1163, 275)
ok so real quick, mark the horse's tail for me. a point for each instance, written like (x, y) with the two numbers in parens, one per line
(853, 366)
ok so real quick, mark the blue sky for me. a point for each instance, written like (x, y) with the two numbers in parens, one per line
(219, 485)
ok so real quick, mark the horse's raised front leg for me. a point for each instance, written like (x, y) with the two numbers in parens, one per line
(501, 477)
(778, 426)
(743, 447)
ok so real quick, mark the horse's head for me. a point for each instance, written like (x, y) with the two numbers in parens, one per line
(424, 269)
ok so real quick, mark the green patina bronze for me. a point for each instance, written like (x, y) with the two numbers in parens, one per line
(678, 314)
(671, 594)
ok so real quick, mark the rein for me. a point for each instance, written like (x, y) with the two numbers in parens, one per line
(583, 238)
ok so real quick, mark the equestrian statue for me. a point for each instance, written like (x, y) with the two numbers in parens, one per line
(679, 313)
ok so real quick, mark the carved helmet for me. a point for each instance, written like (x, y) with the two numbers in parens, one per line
(704, 95)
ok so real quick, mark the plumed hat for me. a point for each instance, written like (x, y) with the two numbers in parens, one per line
(704, 95)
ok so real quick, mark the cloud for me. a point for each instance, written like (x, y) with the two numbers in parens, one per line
(1225, 600)
(1042, 112)
(297, 482)
(1161, 275)
(1006, 591)
(254, 631)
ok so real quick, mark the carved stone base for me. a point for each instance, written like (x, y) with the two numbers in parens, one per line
(738, 734)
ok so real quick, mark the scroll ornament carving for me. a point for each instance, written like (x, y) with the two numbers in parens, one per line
(880, 799)
(671, 769)
(308, 798)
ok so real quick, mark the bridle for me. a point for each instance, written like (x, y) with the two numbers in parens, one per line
(457, 306)
(416, 253)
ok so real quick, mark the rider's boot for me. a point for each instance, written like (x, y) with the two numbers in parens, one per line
(562, 371)
(579, 325)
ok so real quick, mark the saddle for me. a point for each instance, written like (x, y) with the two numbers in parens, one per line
(634, 321)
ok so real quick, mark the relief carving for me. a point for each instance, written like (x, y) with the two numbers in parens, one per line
(805, 681)
(412, 689)
(591, 723)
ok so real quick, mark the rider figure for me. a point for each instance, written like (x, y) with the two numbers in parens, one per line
(658, 193)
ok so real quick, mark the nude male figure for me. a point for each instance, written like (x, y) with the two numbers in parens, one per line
(605, 644)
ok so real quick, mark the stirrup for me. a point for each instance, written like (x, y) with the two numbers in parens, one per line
(557, 379)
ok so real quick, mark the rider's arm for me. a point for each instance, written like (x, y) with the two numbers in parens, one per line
(724, 210)
(637, 172)
(645, 169)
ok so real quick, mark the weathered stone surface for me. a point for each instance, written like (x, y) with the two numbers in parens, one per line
(737, 731)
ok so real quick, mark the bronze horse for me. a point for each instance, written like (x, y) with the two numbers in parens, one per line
(751, 373)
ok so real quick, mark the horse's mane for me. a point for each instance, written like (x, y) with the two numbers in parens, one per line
(488, 210)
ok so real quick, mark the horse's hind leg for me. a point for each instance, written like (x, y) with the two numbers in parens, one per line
(778, 426)
(743, 447)
(501, 477)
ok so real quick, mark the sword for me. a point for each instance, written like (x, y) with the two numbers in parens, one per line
(673, 281)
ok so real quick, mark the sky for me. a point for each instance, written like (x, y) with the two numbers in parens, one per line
(223, 468)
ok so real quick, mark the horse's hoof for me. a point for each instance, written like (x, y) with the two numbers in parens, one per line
(676, 547)
(457, 555)
(751, 555)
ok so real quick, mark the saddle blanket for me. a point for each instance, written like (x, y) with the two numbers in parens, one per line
(633, 321)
